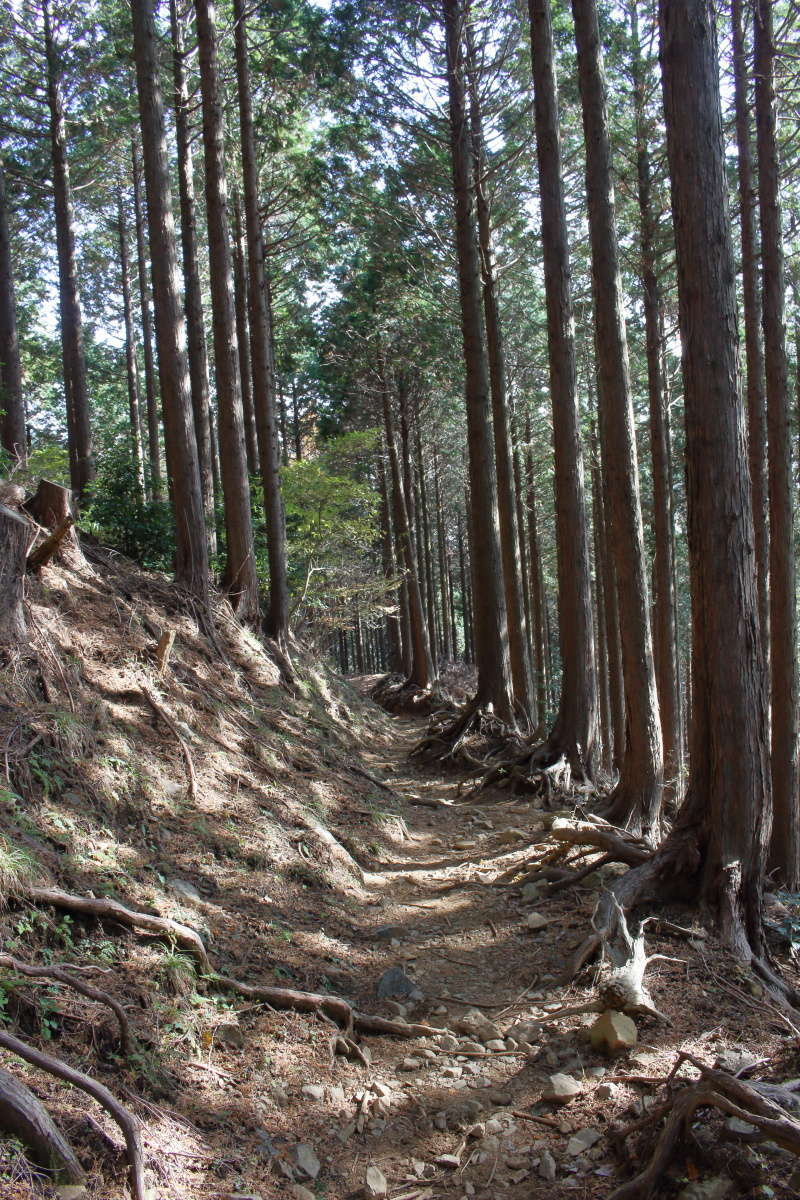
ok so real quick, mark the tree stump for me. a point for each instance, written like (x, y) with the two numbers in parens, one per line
(15, 535)
(51, 507)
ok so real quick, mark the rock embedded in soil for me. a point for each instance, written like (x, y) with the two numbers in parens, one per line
(395, 984)
(735, 1059)
(582, 1141)
(716, 1188)
(305, 1160)
(313, 1091)
(298, 1192)
(547, 1167)
(613, 1032)
(560, 1088)
(535, 921)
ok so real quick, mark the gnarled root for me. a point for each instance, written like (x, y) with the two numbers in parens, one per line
(715, 1089)
(397, 694)
(467, 739)
(23, 1116)
(98, 1091)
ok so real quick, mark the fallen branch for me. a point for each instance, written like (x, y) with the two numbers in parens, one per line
(62, 975)
(98, 1092)
(104, 909)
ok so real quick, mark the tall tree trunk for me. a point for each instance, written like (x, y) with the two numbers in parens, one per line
(441, 546)
(490, 617)
(131, 368)
(276, 622)
(191, 559)
(426, 551)
(754, 347)
(466, 598)
(726, 816)
(509, 535)
(13, 435)
(297, 428)
(576, 728)
(418, 649)
(394, 645)
(637, 799)
(785, 847)
(153, 440)
(664, 599)
(240, 566)
(79, 434)
(240, 289)
(193, 296)
(600, 553)
(538, 636)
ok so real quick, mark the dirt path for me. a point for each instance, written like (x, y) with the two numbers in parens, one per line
(461, 1114)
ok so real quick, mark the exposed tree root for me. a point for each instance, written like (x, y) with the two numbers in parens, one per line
(161, 712)
(26, 1118)
(111, 910)
(715, 1089)
(466, 740)
(98, 1091)
(62, 975)
(396, 694)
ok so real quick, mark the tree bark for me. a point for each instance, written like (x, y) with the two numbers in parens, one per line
(417, 652)
(506, 507)
(13, 434)
(240, 566)
(490, 617)
(15, 534)
(241, 286)
(151, 400)
(754, 346)
(131, 368)
(785, 847)
(79, 434)
(441, 546)
(394, 644)
(536, 583)
(600, 554)
(664, 598)
(276, 622)
(724, 824)
(576, 727)
(637, 798)
(193, 296)
(191, 560)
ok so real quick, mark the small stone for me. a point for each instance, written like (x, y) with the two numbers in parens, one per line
(279, 1095)
(187, 891)
(507, 836)
(453, 1072)
(472, 1047)
(313, 1091)
(606, 1091)
(735, 1059)
(448, 1160)
(613, 1032)
(530, 892)
(71, 1191)
(535, 921)
(305, 1160)
(298, 1192)
(439, 1010)
(376, 1184)
(229, 1035)
(395, 984)
(410, 1064)
(463, 844)
(388, 933)
(560, 1088)
(715, 1188)
(547, 1167)
(502, 1099)
(495, 1044)
(336, 1094)
(582, 1141)
(447, 1042)
(511, 1043)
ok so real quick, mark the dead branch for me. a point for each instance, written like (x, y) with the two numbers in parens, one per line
(95, 1089)
(62, 975)
(188, 939)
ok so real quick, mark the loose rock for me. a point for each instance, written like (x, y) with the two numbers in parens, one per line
(305, 1160)
(535, 921)
(395, 984)
(376, 1184)
(560, 1089)
(613, 1032)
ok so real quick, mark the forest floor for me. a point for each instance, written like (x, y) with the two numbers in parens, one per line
(314, 855)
